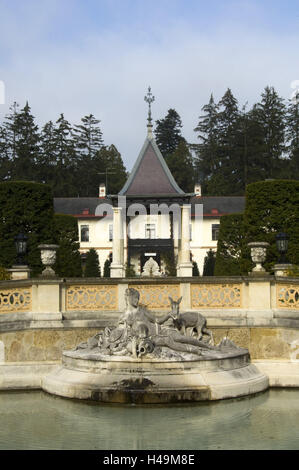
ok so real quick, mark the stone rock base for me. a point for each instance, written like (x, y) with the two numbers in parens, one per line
(141, 381)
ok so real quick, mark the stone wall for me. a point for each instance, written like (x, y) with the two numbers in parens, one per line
(47, 344)
(42, 345)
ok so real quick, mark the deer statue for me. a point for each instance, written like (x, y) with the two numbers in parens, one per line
(188, 322)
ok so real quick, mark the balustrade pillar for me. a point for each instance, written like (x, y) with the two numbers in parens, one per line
(185, 265)
(117, 265)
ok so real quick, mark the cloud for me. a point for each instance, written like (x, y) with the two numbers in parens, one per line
(106, 70)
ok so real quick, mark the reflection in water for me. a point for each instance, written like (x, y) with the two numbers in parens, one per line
(34, 420)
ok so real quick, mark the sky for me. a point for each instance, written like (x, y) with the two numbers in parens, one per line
(98, 57)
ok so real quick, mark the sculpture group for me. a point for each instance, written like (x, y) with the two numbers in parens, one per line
(139, 333)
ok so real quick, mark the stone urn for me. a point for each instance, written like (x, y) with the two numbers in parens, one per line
(48, 257)
(258, 256)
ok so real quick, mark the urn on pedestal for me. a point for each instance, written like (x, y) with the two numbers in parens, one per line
(48, 257)
(258, 256)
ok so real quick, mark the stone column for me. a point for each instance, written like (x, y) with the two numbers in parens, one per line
(117, 265)
(185, 265)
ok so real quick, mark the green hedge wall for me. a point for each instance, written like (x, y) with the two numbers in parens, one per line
(272, 207)
(230, 259)
(25, 207)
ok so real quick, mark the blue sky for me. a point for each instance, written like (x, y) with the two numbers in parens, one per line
(99, 56)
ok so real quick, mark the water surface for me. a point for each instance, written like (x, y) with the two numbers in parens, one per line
(35, 420)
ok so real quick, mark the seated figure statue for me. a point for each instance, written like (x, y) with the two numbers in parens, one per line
(139, 332)
(143, 325)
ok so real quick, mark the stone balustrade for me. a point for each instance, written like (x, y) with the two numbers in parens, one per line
(56, 298)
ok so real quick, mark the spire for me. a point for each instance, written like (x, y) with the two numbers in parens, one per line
(149, 98)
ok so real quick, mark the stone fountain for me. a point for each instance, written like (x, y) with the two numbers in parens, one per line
(151, 359)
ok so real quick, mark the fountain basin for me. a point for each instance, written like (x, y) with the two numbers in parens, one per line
(112, 379)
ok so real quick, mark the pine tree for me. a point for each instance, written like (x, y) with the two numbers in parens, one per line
(108, 158)
(180, 164)
(88, 137)
(206, 160)
(168, 132)
(292, 136)
(25, 144)
(5, 163)
(216, 160)
(92, 268)
(46, 163)
(270, 113)
(11, 131)
(88, 141)
(228, 121)
(65, 180)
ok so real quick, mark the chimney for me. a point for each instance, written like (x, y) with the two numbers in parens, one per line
(102, 190)
(197, 189)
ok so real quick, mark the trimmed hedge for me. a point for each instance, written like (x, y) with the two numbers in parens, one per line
(230, 259)
(272, 207)
(25, 207)
(68, 259)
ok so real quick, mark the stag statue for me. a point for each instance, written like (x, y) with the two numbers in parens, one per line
(190, 323)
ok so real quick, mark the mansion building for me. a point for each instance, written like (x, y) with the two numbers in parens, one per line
(150, 217)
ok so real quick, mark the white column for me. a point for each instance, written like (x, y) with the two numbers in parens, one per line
(117, 265)
(185, 265)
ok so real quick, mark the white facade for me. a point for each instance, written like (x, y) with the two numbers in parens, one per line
(100, 236)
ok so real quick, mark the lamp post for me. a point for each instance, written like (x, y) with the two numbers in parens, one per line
(282, 241)
(20, 270)
(21, 247)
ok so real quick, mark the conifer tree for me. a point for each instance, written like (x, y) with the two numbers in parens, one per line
(206, 159)
(209, 263)
(292, 136)
(5, 164)
(168, 132)
(65, 181)
(107, 268)
(108, 158)
(180, 164)
(11, 131)
(46, 163)
(25, 146)
(270, 113)
(88, 141)
(92, 267)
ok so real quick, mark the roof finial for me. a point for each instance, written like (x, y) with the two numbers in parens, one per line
(149, 98)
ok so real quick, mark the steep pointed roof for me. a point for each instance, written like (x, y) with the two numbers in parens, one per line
(150, 174)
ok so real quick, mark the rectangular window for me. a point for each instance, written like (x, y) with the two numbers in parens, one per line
(84, 233)
(110, 232)
(150, 231)
(215, 231)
